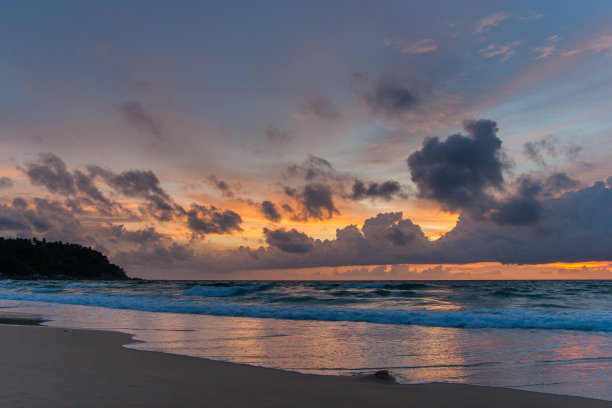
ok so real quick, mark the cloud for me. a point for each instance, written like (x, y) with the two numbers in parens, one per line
(388, 96)
(549, 146)
(485, 24)
(422, 46)
(6, 182)
(465, 173)
(602, 43)
(544, 52)
(291, 241)
(203, 220)
(45, 218)
(391, 228)
(156, 257)
(315, 201)
(313, 168)
(385, 190)
(535, 150)
(520, 209)
(457, 172)
(276, 135)
(221, 185)
(20, 203)
(85, 184)
(320, 106)
(505, 51)
(386, 236)
(50, 171)
(269, 210)
(573, 230)
(142, 184)
(419, 46)
(139, 117)
(557, 183)
(142, 236)
(573, 227)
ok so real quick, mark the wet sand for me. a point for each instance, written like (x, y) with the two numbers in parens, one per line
(55, 367)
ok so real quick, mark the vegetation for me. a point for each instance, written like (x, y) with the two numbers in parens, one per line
(34, 259)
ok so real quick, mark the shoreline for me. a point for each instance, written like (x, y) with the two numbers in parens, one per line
(50, 366)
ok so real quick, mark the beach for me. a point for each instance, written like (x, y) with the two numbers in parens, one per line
(546, 337)
(58, 367)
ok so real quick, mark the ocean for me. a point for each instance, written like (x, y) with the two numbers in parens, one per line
(547, 336)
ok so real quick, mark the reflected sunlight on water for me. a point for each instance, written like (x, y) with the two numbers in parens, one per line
(503, 333)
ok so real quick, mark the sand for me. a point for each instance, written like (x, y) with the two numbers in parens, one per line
(54, 367)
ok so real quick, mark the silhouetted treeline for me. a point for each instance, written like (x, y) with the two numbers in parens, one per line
(35, 259)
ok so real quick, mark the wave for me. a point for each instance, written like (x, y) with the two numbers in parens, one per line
(78, 286)
(373, 285)
(224, 291)
(473, 319)
(48, 290)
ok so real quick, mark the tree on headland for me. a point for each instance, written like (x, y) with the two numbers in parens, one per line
(38, 259)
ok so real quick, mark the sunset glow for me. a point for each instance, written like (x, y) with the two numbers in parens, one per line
(422, 135)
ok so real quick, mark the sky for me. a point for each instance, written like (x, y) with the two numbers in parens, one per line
(312, 140)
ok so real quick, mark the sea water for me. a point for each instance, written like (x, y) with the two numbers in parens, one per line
(547, 336)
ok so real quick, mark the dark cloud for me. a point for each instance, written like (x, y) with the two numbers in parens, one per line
(550, 147)
(574, 227)
(557, 183)
(536, 150)
(461, 172)
(520, 209)
(142, 184)
(313, 168)
(15, 217)
(131, 183)
(75, 205)
(269, 210)
(139, 117)
(389, 96)
(142, 236)
(45, 219)
(384, 190)
(573, 151)
(316, 202)
(320, 106)
(221, 186)
(156, 257)
(19, 202)
(276, 135)
(50, 171)
(5, 182)
(204, 220)
(525, 206)
(291, 241)
(457, 172)
(384, 239)
(85, 184)
(392, 229)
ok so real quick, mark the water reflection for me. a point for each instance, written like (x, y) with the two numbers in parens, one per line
(564, 362)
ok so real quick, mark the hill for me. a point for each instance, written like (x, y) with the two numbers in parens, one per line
(35, 259)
